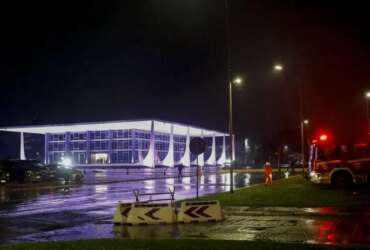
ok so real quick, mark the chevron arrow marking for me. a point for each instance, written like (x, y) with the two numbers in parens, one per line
(201, 212)
(189, 212)
(151, 213)
(126, 211)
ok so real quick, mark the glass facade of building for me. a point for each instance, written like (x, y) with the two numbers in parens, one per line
(110, 146)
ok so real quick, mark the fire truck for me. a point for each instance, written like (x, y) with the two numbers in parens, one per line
(338, 165)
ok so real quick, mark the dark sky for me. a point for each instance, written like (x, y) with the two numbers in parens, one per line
(115, 60)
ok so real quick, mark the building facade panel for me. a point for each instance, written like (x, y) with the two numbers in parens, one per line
(111, 147)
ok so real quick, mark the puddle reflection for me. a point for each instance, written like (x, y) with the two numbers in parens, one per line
(344, 231)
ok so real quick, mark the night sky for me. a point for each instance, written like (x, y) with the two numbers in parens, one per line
(67, 62)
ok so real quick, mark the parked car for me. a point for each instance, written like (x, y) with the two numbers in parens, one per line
(23, 170)
(34, 171)
(48, 173)
(4, 175)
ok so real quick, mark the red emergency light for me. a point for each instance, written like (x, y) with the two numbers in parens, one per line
(323, 137)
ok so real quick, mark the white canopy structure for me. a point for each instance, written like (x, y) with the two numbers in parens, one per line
(160, 126)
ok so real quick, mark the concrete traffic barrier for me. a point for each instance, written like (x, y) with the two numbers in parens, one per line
(164, 231)
(121, 214)
(200, 211)
(143, 214)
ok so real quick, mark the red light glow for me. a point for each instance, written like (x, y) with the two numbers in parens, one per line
(323, 137)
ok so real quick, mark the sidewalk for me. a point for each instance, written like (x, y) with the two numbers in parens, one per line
(296, 211)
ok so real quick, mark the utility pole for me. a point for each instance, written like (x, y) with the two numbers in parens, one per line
(229, 81)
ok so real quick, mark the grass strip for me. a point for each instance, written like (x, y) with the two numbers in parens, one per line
(295, 192)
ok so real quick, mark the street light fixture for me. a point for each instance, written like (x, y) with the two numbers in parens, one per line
(237, 81)
(278, 67)
(303, 124)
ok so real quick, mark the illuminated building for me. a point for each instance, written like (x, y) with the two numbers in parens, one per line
(147, 143)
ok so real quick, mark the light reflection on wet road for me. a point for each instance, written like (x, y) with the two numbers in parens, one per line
(107, 191)
(51, 210)
(85, 212)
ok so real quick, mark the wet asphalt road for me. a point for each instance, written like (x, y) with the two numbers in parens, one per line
(25, 214)
(85, 212)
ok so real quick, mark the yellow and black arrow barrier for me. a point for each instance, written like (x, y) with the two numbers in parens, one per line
(200, 211)
(165, 213)
(121, 214)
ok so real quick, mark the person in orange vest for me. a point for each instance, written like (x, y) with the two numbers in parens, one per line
(268, 173)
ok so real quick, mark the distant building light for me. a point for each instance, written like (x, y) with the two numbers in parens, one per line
(246, 145)
(67, 162)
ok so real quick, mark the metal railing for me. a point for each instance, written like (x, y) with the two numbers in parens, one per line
(171, 193)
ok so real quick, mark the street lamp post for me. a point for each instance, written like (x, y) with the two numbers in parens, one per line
(236, 81)
(367, 95)
(279, 68)
(231, 136)
(303, 123)
(230, 82)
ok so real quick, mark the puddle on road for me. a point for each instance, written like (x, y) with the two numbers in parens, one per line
(343, 231)
(333, 231)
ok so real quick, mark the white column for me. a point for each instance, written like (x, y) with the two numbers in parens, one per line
(152, 142)
(110, 136)
(212, 158)
(222, 158)
(150, 157)
(168, 161)
(201, 157)
(185, 160)
(46, 149)
(22, 154)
